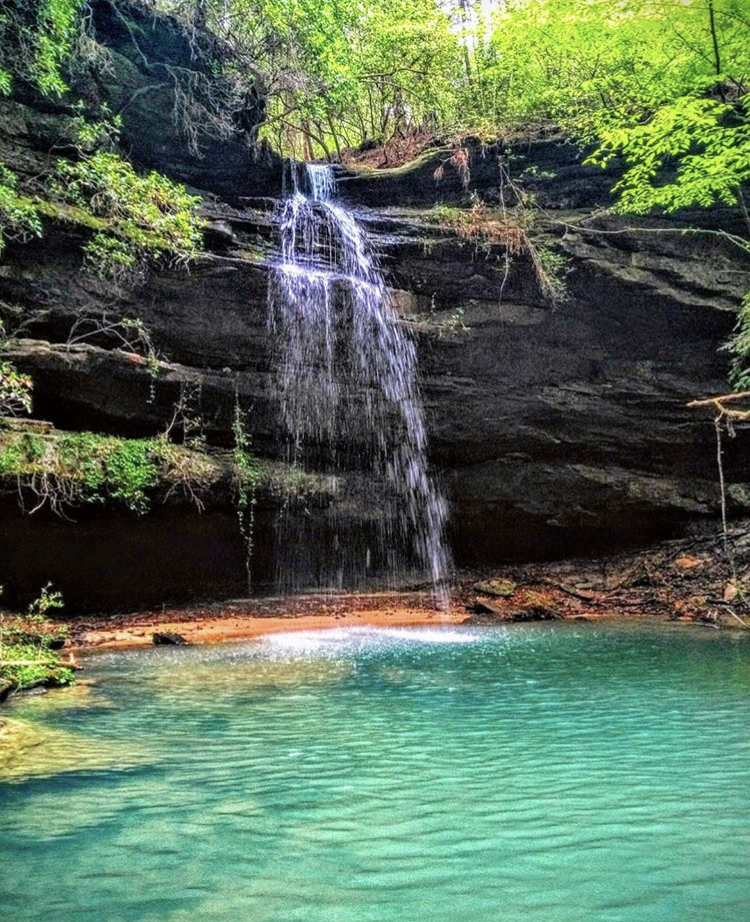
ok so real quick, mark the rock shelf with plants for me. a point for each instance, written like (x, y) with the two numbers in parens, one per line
(30, 647)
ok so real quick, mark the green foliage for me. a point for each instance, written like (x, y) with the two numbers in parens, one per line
(103, 131)
(123, 469)
(36, 42)
(57, 24)
(63, 470)
(15, 391)
(128, 468)
(28, 665)
(81, 467)
(338, 72)
(15, 388)
(658, 85)
(447, 215)
(18, 217)
(111, 257)
(704, 143)
(149, 218)
(138, 220)
(25, 629)
(48, 600)
(587, 64)
(29, 646)
(551, 267)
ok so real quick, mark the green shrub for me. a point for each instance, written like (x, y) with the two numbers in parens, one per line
(106, 466)
(27, 665)
(48, 600)
(18, 217)
(58, 20)
(15, 391)
(129, 470)
(29, 646)
(64, 470)
(37, 41)
(149, 218)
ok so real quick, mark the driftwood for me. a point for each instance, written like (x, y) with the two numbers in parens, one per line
(727, 416)
(719, 402)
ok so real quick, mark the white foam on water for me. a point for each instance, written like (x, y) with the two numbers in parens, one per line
(332, 641)
(426, 634)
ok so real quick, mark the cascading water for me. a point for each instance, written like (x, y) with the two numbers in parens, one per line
(350, 401)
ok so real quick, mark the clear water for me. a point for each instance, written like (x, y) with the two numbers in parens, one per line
(350, 402)
(529, 774)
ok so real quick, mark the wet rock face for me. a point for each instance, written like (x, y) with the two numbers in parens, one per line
(553, 429)
(565, 430)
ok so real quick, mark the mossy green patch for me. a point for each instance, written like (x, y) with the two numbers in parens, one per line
(68, 214)
(66, 468)
(70, 468)
(501, 588)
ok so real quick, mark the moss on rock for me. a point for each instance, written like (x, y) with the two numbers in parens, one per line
(501, 588)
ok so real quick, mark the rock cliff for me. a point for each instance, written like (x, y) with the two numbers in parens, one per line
(554, 428)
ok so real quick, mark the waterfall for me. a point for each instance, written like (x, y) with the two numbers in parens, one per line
(349, 397)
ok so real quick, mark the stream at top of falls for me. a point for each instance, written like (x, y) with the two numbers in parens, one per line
(350, 404)
(513, 774)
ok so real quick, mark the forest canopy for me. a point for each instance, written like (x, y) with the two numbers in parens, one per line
(338, 74)
(341, 73)
(661, 83)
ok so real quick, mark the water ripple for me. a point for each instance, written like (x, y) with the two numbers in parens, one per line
(543, 774)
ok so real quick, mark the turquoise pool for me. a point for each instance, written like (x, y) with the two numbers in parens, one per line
(571, 773)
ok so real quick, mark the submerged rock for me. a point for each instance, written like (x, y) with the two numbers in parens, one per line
(535, 613)
(35, 750)
(483, 613)
(35, 691)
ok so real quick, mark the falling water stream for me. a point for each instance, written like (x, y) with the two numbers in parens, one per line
(349, 398)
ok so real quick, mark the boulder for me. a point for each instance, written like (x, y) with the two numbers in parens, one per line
(170, 640)
(502, 588)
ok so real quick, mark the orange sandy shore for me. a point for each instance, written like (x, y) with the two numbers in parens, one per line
(225, 625)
